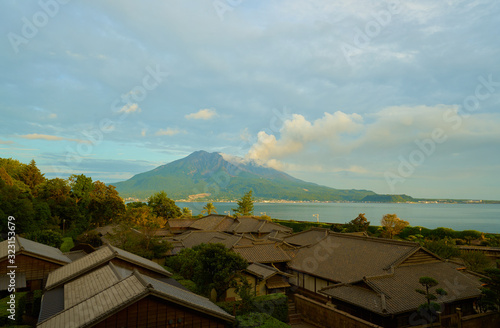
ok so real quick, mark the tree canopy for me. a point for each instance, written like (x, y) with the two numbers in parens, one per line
(392, 225)
(163, 206)
(245, 205)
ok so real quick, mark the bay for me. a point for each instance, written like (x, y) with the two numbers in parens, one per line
(481, 217)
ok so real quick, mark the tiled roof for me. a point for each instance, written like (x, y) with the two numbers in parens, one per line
(262, 253)
(186, 298)
(96, 308)
(246, 224)
(96, 259)
(395, 293)
(39, 250)
(306, 238)
(261, 270)
(123, 292)
(180, 223)
(209, 222)
(75, 255)
(88, 285)
(344, 258)
(193, 238)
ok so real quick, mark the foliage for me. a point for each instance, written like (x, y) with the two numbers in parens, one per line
(209, 209)
(47, 237)
(490, 293)
(245, 205)
(67, 244)
(259, 320)
(20, 309)
(133, 241)
(163, 206)
(444, 248)
(216, 267)
(36, 303)
(299, 226)
(475, 260)
(105, 205)
(186, 212)
(392, 225)
(275, 305)
(209, 266)
(360, 223)
(429, 307)
(91, 237)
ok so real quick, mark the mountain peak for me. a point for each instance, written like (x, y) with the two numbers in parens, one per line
(224, 176)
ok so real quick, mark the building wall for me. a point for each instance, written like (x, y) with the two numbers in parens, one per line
(326, 316)
(155, 312)
(36, 270)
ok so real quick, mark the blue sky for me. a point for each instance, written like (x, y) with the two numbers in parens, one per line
(390, 96)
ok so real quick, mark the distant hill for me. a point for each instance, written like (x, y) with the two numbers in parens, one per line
(215, 176)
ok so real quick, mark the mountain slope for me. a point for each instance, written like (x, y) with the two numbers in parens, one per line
(224, 177)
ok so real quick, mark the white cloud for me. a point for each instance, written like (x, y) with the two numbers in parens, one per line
(168, 132)
(130, 108)
(53, 116)
(202, 114)
(48, 137)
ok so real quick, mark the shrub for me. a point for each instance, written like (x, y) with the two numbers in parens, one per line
(475, 260)
(260, 320)
(37, 302)
(444, 248)
(20, 309)
(67, 244)
(90, 237)
(275, 305)
(47, 237)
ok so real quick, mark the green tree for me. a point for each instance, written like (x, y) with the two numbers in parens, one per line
(392, 225)
(475, 260)
(31, 175)
(490, 293)
(186, 212)
(47, 237)
(429, 308)
(209, 209)
(360, 223)
(105, 204)
(245, 205)
(216, 267)
(163, 206)
(444, 248)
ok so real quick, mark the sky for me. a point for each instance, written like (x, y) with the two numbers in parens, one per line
(398, 97)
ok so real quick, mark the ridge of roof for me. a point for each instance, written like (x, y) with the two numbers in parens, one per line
(375, 239)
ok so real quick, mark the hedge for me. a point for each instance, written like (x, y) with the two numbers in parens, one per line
(260, 320)
(20, 309)
(275, 305)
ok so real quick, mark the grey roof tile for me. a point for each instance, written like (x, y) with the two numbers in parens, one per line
(37, 249)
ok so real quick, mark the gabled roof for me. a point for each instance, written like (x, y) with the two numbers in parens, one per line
(193, 238)
(180, 223)
(346, 258)
(307, 237)
(395, 292)
(123, 293)
(262, 253)
(35, 249)
(209, 222)
(95, 260)
(263, 271)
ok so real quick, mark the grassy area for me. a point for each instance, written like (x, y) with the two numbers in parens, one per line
(67, 244)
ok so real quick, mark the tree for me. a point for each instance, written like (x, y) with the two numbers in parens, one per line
(31, 175)
(81, 187)
(208, 209)
(358, 224)
(163, 206)
(429, 308)
(392, 225)
(105, 205)
(245, 205)
(216, 267)
(475, 260)
(490, 293)
(186, 212)
(147, 222)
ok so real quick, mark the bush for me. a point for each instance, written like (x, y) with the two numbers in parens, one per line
(20, 309)
(444, 248)
(441, 233)
(475, 260)
(37, 303)
(67, 244)
(90, 237)
(47, 237)
(260, 320)
(275, 305)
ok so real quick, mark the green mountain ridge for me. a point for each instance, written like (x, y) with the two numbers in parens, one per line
(213, 176)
